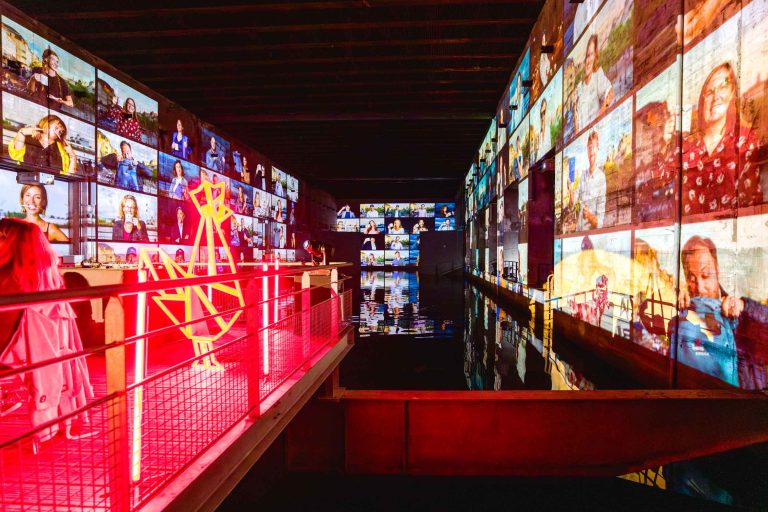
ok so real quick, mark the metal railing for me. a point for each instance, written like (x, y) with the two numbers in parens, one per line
(156, 404)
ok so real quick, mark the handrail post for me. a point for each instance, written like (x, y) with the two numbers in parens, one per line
(253, 352)
(306, 332)
(335, 299)
(118, 433)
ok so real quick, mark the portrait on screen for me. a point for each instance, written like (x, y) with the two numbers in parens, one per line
(503, 179)
(44, 205)
(519, 150)
(723, 149)
(721, 324)
(347, 210)
(546, 119)
(522, 210)
(372, 210)
(177, 221)
(657, 148)
(396, 258)
(280, 210)
(37, 137)
(243, 163)
(260, 172)
(279, 182)
(519, 96)
(398, 226)
(373, 243)
(215, 150)
(176, 177)
(372, 258)
(259, 230)
(421, 225)
(445, 210)
(422, 209)
(502, 120)
(262, 203)
(241, 235)
(293, 187)
(597, 170)
(347, 225)
(602, 61)
(372, 226)
(46, 74)
(125, 111)
(179, 132)
(241, 198)
(125, 163)
(397, 242)
(125, 216)
(278, 235)
(397, 210)
(445, 223)
(486, 153)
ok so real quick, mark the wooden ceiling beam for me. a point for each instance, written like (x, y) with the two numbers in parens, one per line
(241, 63)
(243, 76)
(469, 81)
(523, 22)
(412, 115)
(186, 49)
(48, 13)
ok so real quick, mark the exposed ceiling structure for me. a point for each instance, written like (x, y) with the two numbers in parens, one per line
(382, 92)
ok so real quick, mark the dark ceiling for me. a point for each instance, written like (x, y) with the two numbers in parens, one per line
(367, 99)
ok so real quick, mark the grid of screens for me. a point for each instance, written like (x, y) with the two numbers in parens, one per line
(653, 115)
(62, 115)
(391, 232)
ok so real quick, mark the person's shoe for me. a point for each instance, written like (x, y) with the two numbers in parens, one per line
(81, 431)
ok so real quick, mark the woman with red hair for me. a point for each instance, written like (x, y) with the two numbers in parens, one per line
(720, 157)
(39, 333)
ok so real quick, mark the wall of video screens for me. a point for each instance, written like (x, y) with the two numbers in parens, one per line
(390, 233)
(654, 116)
(131, 156)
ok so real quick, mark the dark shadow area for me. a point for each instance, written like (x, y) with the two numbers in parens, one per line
(333, 492)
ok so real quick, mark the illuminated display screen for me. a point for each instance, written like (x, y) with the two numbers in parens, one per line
(390, 232)
(125, 111)
(64, 116)
(660, 176)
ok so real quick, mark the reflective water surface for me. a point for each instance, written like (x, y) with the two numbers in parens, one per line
(421, 332)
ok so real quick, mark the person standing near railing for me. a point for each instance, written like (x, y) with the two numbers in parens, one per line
(39, 333)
